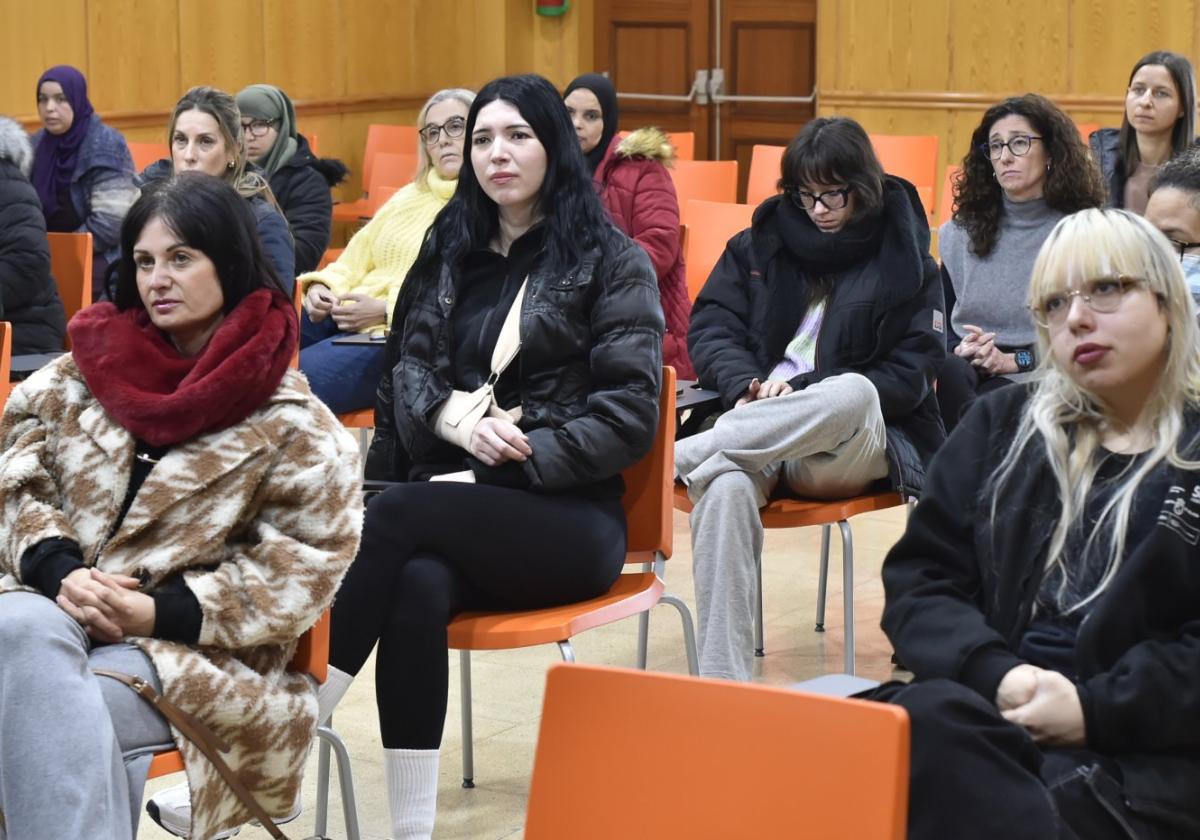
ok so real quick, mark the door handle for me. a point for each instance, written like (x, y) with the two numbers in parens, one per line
(716, 86)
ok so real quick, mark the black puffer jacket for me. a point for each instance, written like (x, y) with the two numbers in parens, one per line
(884, 316)
(28, 296)
(590, 368)
(1105, 144)
(301, 187)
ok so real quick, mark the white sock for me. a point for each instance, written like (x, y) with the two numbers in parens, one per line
(330, 692)
(412, 783)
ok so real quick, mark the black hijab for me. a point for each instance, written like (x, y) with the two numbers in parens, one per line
(606, 94)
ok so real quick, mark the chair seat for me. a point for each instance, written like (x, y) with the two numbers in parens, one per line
(351, 211)
(798, 513)
(166, 763)
(364, 418)
(631, 594)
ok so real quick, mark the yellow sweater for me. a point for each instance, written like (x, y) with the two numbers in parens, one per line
(379, 256)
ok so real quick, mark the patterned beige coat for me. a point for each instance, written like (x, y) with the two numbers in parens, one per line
(265, 516)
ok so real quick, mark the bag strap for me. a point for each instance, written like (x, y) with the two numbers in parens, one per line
(508, 343)
(199, 733)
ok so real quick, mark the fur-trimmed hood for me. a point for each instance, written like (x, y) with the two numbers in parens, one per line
(650, 143)
(15, 145)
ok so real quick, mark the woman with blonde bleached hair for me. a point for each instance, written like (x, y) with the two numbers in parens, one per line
(1046, 593)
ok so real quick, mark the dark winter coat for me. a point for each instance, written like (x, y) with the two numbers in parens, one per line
(640, 196)
(301, 186)
(960, 591)
(589, 371)
(884, 318)
(1105, 144)
(28, 296)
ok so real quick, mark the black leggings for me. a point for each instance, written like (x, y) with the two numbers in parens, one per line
(433, 549)
(959, 384)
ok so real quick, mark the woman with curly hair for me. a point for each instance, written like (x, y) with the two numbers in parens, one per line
(1025, 170)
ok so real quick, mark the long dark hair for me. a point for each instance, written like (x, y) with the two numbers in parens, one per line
(1073, 181)
(574, 218)
(1183, 134)
(207, 214)
(835, 150)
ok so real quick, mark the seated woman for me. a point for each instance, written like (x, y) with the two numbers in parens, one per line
(82, 169)
(637, 191)
(1025, 169)
(1045, 593)
(177, 507)
(1159, 123)
(299, 179)
(205, 135)
(357, 293)
(28, 296)
(524, 257)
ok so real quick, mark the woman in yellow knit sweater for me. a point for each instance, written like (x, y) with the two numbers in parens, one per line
(357, 293)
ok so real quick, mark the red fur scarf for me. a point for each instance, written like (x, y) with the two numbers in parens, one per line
(137, 375)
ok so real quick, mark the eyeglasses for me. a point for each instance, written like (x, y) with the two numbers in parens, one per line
(830, 199)
(1183, 247)
(454, 127)
(258, 128)
(1104, 294)
(1018, 145)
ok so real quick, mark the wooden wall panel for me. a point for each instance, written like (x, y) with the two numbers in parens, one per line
(34, 37)
(133, 51)
(220, 44)
(303, 48)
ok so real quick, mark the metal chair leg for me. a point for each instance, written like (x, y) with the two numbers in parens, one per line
(689, 632)
(643, 642)
(330, 739)
(758, 608)
(848, 592)
(468, 744)
(568, 652)
(822, 579)
(322, 816)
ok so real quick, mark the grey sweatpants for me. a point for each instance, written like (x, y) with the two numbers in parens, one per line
(826, 442)
(74, 747)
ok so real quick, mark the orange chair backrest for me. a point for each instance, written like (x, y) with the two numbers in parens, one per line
(5, 361)
(946, 202)
(648, 483)
(764, 173)
(684, 143)
(312, 651)
(711, 224)
(313, 144)
(714, 759)
(392, 169)
(387, 138)
(1086, 129)
(145, 154)
(913, 158)
(706, 180)
(71, 265)
(379, 197)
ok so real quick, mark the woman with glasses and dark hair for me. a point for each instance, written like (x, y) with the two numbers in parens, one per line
(1046, 593)
(822, 328)
(205, 135)
(1159, 123)
(176, 508)
(299, 179)
(356, 294)
(1025, 169)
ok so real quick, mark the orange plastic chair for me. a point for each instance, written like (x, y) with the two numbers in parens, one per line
(145, 154)
(392, 169)
(705, 180)
(726, 759)
(313, 145)
(381, 139)
(312, 658)
(801, 513)
(647, 503)
(946, 206)
(1086, 129)
(913, 158)
(5, 362)
(711, 224)
(764, 173)
(71, 265)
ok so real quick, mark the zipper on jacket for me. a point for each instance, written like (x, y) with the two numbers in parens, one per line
(1089, 777)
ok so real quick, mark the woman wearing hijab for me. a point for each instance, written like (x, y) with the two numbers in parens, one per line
(300, 180)
(636, 189)
(82, 169)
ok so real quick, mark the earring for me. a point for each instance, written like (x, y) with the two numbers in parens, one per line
(229, 165)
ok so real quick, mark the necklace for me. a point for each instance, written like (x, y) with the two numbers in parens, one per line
(145, 459)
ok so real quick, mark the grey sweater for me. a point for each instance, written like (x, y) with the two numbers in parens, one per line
(991, 291)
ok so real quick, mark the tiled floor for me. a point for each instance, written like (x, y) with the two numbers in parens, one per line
(508, 684)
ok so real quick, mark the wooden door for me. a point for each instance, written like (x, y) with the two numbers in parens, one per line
(656, 49)
(767, 52)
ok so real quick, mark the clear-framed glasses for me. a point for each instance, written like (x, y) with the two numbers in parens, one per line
(1103, 294)
(1018, 145)
(454, 127)
(830, 199)
(1183, 247)
(258, 128)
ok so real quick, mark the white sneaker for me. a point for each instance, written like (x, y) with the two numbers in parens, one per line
(171, 808)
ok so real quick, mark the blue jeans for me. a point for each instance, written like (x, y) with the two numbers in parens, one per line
(344, 377)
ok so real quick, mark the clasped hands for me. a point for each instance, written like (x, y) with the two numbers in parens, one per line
(979, 348)
(493, 441)
(351, 313)
(108, 607)
(763, 391)
(1044, 703)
